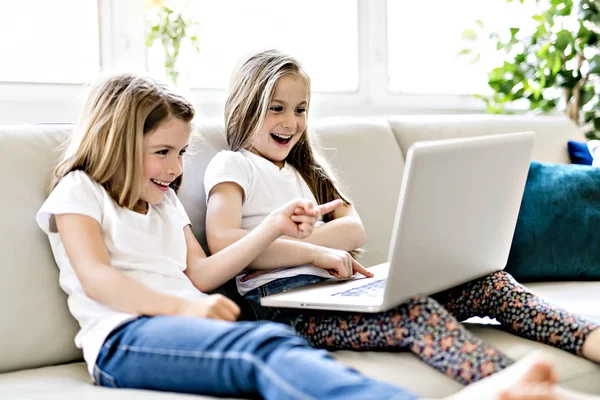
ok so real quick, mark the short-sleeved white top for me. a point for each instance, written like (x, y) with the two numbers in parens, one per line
(149, 248)
(265, 187)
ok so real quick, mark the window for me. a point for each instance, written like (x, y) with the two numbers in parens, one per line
(424, 38)
(365, 57)
(323, 35)
(49, 41)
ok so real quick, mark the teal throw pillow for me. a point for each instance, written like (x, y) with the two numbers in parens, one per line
(558, 230)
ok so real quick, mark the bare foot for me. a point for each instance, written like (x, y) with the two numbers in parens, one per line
(532, 378)
(542, 370)
(537, 383)
(537, 391)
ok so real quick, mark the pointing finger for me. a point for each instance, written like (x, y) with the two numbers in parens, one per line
(356, 267)
(329, 207)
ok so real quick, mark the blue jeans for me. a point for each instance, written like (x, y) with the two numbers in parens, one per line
(205, 356)
(277, 314)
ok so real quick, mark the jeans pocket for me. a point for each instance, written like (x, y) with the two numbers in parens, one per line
(104, 378)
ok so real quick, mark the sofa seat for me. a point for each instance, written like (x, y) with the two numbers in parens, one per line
(71, 381)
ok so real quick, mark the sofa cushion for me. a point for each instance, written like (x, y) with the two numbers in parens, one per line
(552, 132)
(579, 153)
(37, 328)
(72, 382)
(558, 224)
(367, 161)
(208, 138)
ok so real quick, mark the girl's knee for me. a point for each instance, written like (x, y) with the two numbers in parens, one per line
(499, 276)
(503, 275)
(275, 331)
(505, 288)
(425, 302)
(270, 338)
(498, 281)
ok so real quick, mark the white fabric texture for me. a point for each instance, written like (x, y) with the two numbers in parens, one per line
(149, 248)
(265, 187)
(594, 149)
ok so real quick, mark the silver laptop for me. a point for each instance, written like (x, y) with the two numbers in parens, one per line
(457, 211)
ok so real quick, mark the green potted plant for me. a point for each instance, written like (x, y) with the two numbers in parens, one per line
(170, 25)
(555, 65)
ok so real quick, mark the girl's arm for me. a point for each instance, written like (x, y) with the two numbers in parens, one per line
(295, 219)
(344, 232)
(223, 228)
(208, 273)
(82, 238)
(223, 222)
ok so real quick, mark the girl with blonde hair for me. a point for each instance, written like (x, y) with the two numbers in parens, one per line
(271, 160)
(136, 276)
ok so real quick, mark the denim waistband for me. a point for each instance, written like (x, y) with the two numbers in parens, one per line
(283, 285)
(277, 286)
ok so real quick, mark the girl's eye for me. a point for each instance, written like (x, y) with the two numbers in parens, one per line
(300, 110)
(276, 108)
(182, 152)
(162, 152)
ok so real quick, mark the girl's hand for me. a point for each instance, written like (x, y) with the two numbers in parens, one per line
(297, 218)
(215, 306)
(339, 263)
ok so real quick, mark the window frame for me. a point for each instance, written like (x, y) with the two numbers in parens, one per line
(122, 47)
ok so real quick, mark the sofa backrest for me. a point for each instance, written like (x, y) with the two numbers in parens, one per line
(36, 327)
(365, 153)
(552, 132)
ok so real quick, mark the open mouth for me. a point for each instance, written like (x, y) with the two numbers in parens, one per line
(281, 139)
(162, 185)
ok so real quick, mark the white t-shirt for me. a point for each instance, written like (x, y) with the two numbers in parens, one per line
(266, 187)
(149, 248)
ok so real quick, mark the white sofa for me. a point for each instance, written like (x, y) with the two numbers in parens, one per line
(38, 358)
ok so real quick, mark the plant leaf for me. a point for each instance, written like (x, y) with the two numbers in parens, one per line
(594, 64)
(469, 34)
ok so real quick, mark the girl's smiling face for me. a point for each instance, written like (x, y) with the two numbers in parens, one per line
(163, 159)
(285, 122)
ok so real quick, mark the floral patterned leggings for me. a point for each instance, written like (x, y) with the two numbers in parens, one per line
(429, 327)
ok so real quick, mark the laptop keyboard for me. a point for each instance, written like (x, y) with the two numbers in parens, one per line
(372, 289)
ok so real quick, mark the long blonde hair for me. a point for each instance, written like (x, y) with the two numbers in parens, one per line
(250, 95)
(108, 141)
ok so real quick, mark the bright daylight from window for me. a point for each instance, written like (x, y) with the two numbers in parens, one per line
(363, 56)
(323, 34)
(41, 43)
(424, 38)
